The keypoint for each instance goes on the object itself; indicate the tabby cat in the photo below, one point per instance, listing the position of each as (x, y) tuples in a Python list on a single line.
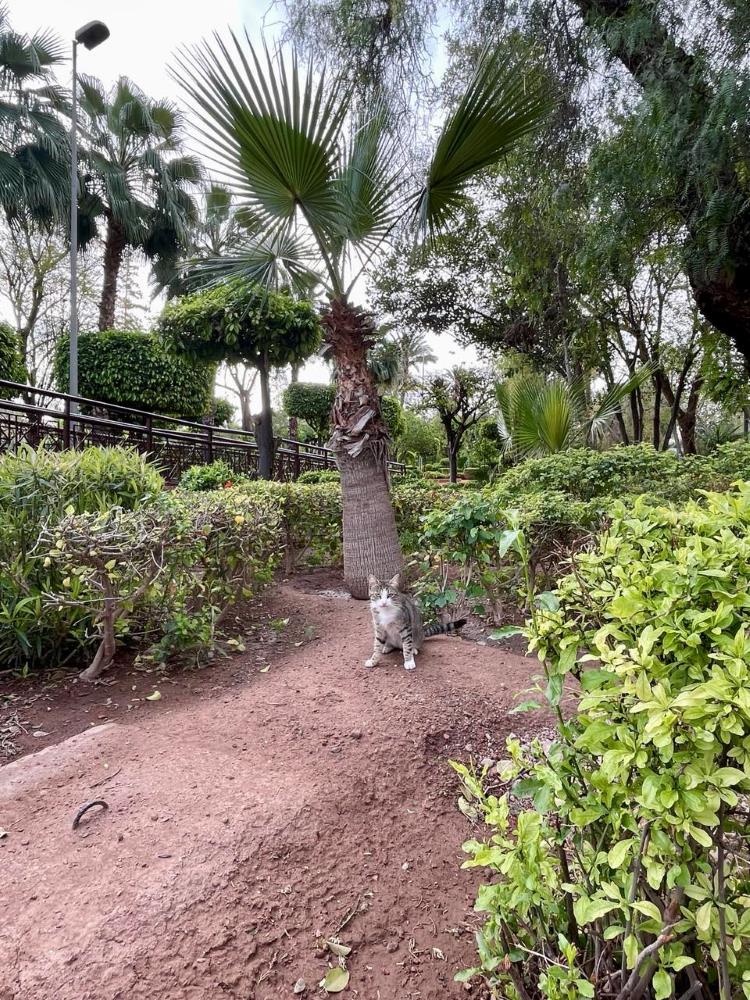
[(397, 622)]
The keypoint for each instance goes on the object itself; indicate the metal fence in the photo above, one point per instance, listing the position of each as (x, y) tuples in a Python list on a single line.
[(58, 420)]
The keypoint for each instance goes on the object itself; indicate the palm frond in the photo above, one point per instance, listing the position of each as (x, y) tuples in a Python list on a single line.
[(273, 262), (273, 129), (502, 104), (370, 182)]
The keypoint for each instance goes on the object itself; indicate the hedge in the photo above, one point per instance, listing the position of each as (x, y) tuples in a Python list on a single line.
[(135, 370)]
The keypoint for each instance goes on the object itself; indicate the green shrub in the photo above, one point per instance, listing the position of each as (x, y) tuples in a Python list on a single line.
[(585, 474), (11, 364), (223, 412), (214, 476), (464, 554), (42, 483), (624, 871), (319, 476), (312, 402), (135, 370), (310, 520)]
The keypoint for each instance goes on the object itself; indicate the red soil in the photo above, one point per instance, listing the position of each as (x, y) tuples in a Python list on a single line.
[(252, 814)]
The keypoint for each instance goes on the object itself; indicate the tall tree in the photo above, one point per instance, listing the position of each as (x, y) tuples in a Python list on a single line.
[(461, 397), (696, 107), (284, 139), (238, 322), (139, 183), (34, 156)]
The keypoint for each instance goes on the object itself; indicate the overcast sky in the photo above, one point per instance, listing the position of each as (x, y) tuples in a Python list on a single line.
[(144, 36)]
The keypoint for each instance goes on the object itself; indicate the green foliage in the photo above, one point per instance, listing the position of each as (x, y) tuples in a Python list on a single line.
[(627, 847), (215, 476), (135, 370), (319, 476), (393, 415), (236, 321), (11, 365), (584, 474), (312, 402), (38, 489), (466, 558), (421, 439), (223, 412)]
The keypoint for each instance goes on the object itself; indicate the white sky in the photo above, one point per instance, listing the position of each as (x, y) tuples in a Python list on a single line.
[(144, 34)]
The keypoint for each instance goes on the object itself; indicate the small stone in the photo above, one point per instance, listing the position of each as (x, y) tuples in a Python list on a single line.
[(356, 734), (300, 986), (391, 947)]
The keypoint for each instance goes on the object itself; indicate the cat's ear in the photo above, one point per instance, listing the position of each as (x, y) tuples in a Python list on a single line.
[(395, 581), (372, 580)]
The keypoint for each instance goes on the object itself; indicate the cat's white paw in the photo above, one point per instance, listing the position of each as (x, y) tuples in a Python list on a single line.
[(371, 662), (410, 664)]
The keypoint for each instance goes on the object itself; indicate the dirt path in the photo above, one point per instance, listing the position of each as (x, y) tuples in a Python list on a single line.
[(244, 825)]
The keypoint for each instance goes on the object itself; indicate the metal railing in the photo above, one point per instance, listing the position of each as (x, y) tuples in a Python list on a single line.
[(44, 416)]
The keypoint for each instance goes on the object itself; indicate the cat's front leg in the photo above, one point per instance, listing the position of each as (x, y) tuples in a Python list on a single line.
[(407, 644), (378, 647)]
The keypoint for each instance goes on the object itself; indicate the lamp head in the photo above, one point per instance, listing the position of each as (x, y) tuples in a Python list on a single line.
[(92, 34)]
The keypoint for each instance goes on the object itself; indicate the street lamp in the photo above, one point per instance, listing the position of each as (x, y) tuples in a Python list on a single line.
[(90, 35)]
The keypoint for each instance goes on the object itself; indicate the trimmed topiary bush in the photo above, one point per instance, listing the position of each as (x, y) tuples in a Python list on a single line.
[(135, 370), (11, 365)]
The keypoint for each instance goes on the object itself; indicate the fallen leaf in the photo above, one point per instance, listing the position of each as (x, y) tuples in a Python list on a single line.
[(156, 696), (336, 980), (338, 948), (300, 986), (437, 953)]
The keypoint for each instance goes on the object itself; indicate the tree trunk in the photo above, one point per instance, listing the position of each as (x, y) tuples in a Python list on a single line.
[(264, 432), (360, 440), (453, 463), (656, 59), (114, 247), (293, 422)]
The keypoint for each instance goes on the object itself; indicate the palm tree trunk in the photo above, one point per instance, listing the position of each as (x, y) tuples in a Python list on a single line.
[(360, 440), (264, 432), (114, 248)]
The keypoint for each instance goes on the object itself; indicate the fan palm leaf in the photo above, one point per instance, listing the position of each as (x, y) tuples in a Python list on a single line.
[(500, 107)]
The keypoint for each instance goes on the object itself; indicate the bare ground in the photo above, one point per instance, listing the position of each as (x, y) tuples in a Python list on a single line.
[(252, 813)]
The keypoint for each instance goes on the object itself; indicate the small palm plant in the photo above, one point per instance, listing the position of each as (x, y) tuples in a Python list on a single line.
[(539, 416), (328, 192)]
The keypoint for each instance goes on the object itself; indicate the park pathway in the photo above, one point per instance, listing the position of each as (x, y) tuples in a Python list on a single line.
[(245, 826)]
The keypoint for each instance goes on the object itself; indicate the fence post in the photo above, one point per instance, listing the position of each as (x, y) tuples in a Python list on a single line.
[(66, 424), (210, 443), (149, 434), (296, 460)]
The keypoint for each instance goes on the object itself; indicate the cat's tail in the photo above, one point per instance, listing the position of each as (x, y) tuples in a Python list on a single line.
[(447, 629)]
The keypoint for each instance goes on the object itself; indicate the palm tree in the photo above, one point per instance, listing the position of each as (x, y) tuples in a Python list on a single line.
[(34, 156), (540, 416), (329, 193), (139, 183)]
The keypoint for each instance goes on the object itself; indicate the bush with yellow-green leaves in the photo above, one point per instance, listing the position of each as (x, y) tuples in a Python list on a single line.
[(619, 856)]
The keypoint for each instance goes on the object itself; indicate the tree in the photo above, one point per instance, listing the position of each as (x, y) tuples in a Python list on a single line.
[(34, 158), (311, 402), (11, 366), (462, 397), (138, 181), (238, 322), (695, 107), (284, 139), (133, 369)]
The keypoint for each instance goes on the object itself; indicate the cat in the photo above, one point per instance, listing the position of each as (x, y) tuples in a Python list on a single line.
[(397, 622)]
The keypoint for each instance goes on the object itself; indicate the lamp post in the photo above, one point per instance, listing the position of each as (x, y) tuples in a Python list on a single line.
[(90, 35)]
